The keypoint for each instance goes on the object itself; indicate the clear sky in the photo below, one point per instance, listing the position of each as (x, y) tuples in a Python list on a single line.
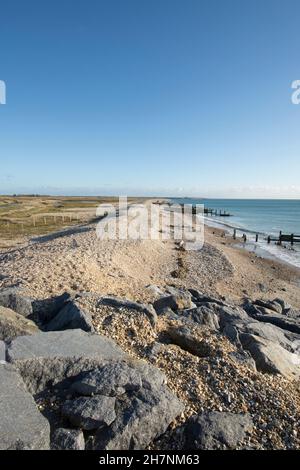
[(164, 97)]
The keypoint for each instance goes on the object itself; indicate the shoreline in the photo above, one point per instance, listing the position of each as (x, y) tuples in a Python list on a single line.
[(79, 261), (254, 275), (273, 252)]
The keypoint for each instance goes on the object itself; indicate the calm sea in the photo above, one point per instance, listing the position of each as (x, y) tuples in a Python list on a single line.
[(251, 216)]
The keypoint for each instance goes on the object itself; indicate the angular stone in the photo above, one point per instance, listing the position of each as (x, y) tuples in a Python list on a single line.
[(69, 343), (90, 413), (13, 298), (46, 309), (71, 317), (199, 298), (179, 301), (203, 316), (22, 426), (229, 314), (271, 305), (67, 439), (282, 321), (140, 419), (12, 324), (56, 356), (146, 309), (284, 305), (185, 338), (271, 357), (114, 378), (286, 339), (215, 430)]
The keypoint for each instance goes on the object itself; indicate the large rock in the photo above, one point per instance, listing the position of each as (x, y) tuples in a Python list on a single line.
[(21, 424), (271, 357), (271, 305), (282, 321), (55, 356), (177, 301), (118, 303), (141, 418), (90, 413), (52, 363), (289, 341), (186, 339), (45, 310), (60, 344), (111, 379), (199, 298), (71, 317), (216, 315), (13, 298), (12, 324), (67, 439), (229, 314), (203, 315), (215, 430)]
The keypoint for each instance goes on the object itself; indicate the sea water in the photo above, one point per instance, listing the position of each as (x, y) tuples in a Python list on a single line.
[(262, 216)]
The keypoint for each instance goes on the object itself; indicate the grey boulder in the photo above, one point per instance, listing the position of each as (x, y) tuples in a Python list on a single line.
[(46, 309), (90, 413), (13, 324), (215, 430), (22, 426), (179, 300), (112, 379), (72, 316), (67, 439), (118, 303), (62, 344), (185, 338), (271, 357), (140, 419), (13, 298), (289, 341), (55, 357), (203, 315)]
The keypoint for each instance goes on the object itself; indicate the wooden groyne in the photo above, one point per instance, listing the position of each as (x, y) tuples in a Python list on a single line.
[(289, 238), (282, 237)]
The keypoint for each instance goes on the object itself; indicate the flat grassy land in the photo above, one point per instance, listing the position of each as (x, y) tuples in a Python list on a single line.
[(23, 216)]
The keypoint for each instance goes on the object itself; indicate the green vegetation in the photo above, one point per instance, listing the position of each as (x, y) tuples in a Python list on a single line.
[(22, 216)]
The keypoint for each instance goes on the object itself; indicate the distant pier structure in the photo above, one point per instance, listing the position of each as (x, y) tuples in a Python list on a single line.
[(216, 212)]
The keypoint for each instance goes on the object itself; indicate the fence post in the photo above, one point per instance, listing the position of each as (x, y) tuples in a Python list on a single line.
[(292, 239), (256, 238), (234, 234)]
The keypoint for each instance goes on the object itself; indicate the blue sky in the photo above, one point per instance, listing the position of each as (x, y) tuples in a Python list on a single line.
[(170, 97)]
